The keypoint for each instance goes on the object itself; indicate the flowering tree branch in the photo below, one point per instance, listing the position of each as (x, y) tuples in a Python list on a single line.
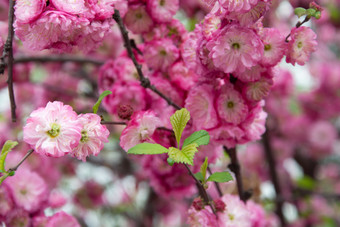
[(236, 168), (298, 24), (57, 58), (8, 52), (273, 175), (145, 82), (29, 152)]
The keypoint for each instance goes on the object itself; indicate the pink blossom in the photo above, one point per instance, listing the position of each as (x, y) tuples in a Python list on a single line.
[(200, 103), (237, 5), (181, 76), (254, 125), (247, 19), (56, 199), (160, 54), (6, 202), (236, 49), (201, 218), (53, 130), (27, 11), (139, 129), (93, 136), (102, 9), (70, 6), (18, 217), (188, 50), (231, 106), (28, 190), (62, 219), (301, 45), (137, 19), (251, 74), (90, 195), (210, 25), (322, 135), (256, 91), (162, 10), (130, 93), (227, 135), (258, 216), (274, 46)]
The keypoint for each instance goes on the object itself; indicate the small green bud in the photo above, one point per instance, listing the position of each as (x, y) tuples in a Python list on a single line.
[(317, 15), (299, 12), (311, 12), (170, 161), (11, 173)]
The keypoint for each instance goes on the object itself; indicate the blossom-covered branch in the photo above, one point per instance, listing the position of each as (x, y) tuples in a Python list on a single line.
[(145, 82)]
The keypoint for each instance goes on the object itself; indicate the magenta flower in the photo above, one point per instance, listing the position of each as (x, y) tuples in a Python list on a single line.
[(301, 45), (236, 49), (53, 130), (27, 11), (62, 219), (274, 46), (137, 19), (237, 5), (93, 136), (162, 10)]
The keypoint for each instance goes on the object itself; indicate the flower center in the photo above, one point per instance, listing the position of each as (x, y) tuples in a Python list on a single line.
[(267, 47), (162, 2), (235, 46), (299, 45), (162, 53), (230, 104), (54, 131), (84, 136), (139, 15), (23, 191)]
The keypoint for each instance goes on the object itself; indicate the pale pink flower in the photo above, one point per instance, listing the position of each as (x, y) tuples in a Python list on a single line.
[(301, 45), (201, 218), (188, 50), (247, 19), (162, 10), (181, 76), (258, 216), (62, 219), (200, 103), (139, 129), (236, 49), (28, 190), (274, 46), (93, 136), (231, 106), (27, 11), (102, 9), (70, 6), (237, 5), (18, 217), (210, 25), (236, 213), (254, 125), (53, 130), (160, 54), (56, 199), (137, 19), (6, 202)]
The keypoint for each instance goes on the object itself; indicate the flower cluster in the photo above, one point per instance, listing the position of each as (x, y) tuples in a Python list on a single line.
[(56, 130), (64, 25)]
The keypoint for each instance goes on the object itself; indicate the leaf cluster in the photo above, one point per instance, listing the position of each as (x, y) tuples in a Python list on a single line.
[(7, 147)]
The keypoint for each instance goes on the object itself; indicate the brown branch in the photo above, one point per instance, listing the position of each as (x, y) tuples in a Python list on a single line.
[(22, 160), (113, 123), (218, 188), (235, 167), (203, 193), (274, 176), (145, 82), (57, 58), (8, 52)]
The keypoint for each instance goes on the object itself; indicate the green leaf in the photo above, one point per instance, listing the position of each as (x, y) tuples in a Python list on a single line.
[(220, 177), (199, 176), (178, 121), (3, 178), (299, 11), (310, 12), (186, 155), (200, 138), (204, 167), (306, 182), (8, 146), (100, 99), (147, 148)]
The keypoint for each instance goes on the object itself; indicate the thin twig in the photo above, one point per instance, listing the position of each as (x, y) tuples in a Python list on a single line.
[(29, 152), (201, 189), (235, 167), (273, 175), (216, 184), (8, 52), (113, 123), (57, 58), (145, 82)]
